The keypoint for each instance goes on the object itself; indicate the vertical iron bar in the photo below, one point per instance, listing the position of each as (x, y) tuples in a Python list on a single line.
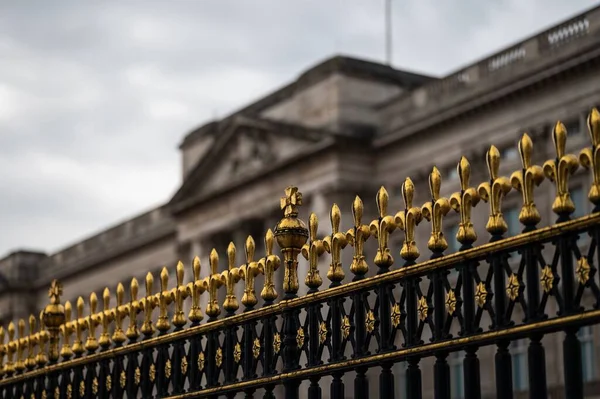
[(146, 383), (290, 351), (413, 372), (536, 357), (504, 383), (132, 365), (572, 365)]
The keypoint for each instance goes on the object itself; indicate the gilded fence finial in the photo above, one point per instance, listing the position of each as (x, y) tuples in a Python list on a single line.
[(179, 316), (407, 221), (311, 252), (11, 348), (558, 170), (2, 351), (434, 211), (54, 316), (132, 330), (590, 157), (493, 191), (230, 277), (248, 272), (525, 180), (105, 318), (78, 348), (196, 288), (334, 244), (213, 282), (463, 202), (32, 341), (163, 323), (21, 342), (381, 228), (149, 305), (291, 234), (67, 329), (118, 335), (357, 236), (41, 359), (270, 263), (91, 344)]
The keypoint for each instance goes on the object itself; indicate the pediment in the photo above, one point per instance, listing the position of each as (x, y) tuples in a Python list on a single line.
[(245, 149)]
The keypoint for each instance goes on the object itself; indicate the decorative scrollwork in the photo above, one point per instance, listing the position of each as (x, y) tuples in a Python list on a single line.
[(481, 294), (237, 353), (346, 327), (423, 308), (395, 315), (451, 302), (583, 270), (219, 357), (276, 343), (370, 321), (256, 348), (300, 337), (513, 287)]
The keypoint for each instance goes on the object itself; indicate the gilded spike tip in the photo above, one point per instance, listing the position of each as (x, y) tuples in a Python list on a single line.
[(213, 282), (434, 211), (118, 335), (357, 236), (269, 264), (334, 244), (559, 170), (230, 277), (91, 343), (179, 293), (132, 330), (248, 272), (407, 220), (381, 228), (463, 202), (149, 304), (105, 319), (493, 191), (197, 288), (311, 251), (525, 180), (590, 157), (163, 323)]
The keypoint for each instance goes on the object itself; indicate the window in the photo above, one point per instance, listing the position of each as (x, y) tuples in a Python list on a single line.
[(578, 197), (511, 216), (573, 126), (519, 365), (450, 234), (509, 153), (457, 384), (586, 337)]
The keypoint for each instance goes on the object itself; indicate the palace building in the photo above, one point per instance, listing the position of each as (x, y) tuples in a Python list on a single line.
[(342, 128)]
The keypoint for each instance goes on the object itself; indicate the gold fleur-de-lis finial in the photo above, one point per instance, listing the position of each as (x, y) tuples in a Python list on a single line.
[(270, 263), (463, 202), (407, 221), (248, 272), (196, 288), (493, 191), (213, 282), (558, 171), (105, 319), (21, 341), (91, 343), (381, 228), (334, 244), (590, 156), (230, 277), (134, 306), (2, 351), (79, 323), (149, 303), (32, 341), (291, 201), (357, 236), (525, 180), (66, 330), (178, 295), (11, 348), (434, 211), (311, 252), (119, 311), (164, 297), (41, 359)]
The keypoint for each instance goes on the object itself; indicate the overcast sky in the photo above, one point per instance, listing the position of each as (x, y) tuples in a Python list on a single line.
[(95, 96)]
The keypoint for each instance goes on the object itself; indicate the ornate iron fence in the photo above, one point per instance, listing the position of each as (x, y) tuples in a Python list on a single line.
[(400, 314)]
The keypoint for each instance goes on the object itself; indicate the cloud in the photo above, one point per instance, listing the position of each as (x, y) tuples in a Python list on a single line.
[(96, 96)]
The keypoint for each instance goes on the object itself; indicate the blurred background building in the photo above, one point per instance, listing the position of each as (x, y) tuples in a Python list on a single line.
[(343, 128)]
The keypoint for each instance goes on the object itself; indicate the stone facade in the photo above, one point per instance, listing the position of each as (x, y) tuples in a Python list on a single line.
[(343, 128)]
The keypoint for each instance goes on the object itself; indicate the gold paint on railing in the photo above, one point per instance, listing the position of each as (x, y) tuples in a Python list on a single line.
[(66, 330), (407, 221), (248, 272), (163, 325), (149, 304), (9, 367), (54, 317), (463, 202), (78, 348), (311, 252), (559, 169), (434, 212), (20, 363), (105, 318), (493, 191), (589, 158), (31, 344), (334, 244), (381, 228), (525, 180), (91, 344), (119, 336), (179, 294), (230, 277), (41, 359), (357, 236), (270, 264)]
